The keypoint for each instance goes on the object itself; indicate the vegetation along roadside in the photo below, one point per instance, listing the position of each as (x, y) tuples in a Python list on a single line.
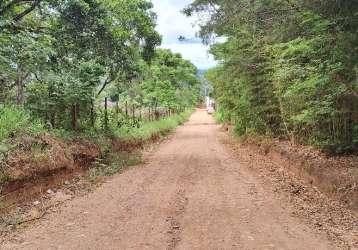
[(83, 83)]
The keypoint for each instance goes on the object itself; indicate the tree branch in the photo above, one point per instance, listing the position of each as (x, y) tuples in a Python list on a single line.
[(9, 5), (27, 11), (108, 80), (19, 16)]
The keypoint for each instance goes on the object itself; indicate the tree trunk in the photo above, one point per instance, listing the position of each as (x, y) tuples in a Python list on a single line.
[(78, 110), (106, 113), (51, 114), (2, 91), (92, 114), (53, 119), (156, 113), (288, 132), (20, 78), (74, 117), (133, 113), (126, 109), (117, 108)]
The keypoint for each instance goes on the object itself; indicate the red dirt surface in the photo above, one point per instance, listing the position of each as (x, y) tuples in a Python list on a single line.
[(193, 192)]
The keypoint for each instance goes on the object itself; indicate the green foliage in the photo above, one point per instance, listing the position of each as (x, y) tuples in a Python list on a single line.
[(14, 120), (289, 68), (170, 81), (115, 163), (160, 127), (59, 60)]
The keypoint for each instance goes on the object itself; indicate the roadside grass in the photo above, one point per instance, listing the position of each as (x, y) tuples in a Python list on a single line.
[(148, 129), (218, 117), (116, 162), (38, 153), (14, 120), (10, 220)]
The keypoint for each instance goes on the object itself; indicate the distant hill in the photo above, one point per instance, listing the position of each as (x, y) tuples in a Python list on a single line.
[(201, 72)]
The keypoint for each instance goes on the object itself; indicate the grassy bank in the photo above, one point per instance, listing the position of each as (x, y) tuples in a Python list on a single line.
[(35, 159), (117, 160), (16, 120), (148, 129), (28, 149)]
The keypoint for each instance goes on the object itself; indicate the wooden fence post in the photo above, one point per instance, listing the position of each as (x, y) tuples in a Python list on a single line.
[(74, 117), (105, 113), (133, 112), (126, 109), (92, 114)]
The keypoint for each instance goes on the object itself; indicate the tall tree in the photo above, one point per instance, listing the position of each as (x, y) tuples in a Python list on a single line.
[(287, 67)]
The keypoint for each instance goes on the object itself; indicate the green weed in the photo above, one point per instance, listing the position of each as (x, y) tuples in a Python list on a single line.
[(14, 120), (162, 126), (11, 220), (117, 162), (38, 152), (94, 173)]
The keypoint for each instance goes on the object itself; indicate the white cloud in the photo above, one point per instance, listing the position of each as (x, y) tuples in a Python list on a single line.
[(172, 24)]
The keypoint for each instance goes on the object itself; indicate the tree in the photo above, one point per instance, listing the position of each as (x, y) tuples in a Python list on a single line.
[(61, 59), (287, 67)]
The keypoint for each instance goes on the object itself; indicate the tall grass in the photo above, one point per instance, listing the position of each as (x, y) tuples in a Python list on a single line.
[(146, 131), (14, 120)]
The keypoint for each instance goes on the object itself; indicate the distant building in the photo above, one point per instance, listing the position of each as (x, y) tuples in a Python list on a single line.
[(209, 102)]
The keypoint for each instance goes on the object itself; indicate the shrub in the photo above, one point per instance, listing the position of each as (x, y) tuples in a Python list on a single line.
[(14, 120), (148, 129)]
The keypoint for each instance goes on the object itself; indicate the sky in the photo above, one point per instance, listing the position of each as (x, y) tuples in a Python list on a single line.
[(172, 24)]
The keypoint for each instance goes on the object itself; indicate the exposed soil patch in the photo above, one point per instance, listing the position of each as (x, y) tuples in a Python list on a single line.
[(39, 164), (174, 232), (17, 192), (46, 164), (309, 203), (335, 176), (46, 155), (134, 144)]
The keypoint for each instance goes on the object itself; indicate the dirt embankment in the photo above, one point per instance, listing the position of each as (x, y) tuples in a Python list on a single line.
[(43, 163), (38, 164), (46, 155), (335, 176)]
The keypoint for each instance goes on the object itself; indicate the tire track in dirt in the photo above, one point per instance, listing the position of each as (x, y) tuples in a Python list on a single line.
[(174, 232)]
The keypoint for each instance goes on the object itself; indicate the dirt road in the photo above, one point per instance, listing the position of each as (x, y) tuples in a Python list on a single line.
[(191, 193)]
